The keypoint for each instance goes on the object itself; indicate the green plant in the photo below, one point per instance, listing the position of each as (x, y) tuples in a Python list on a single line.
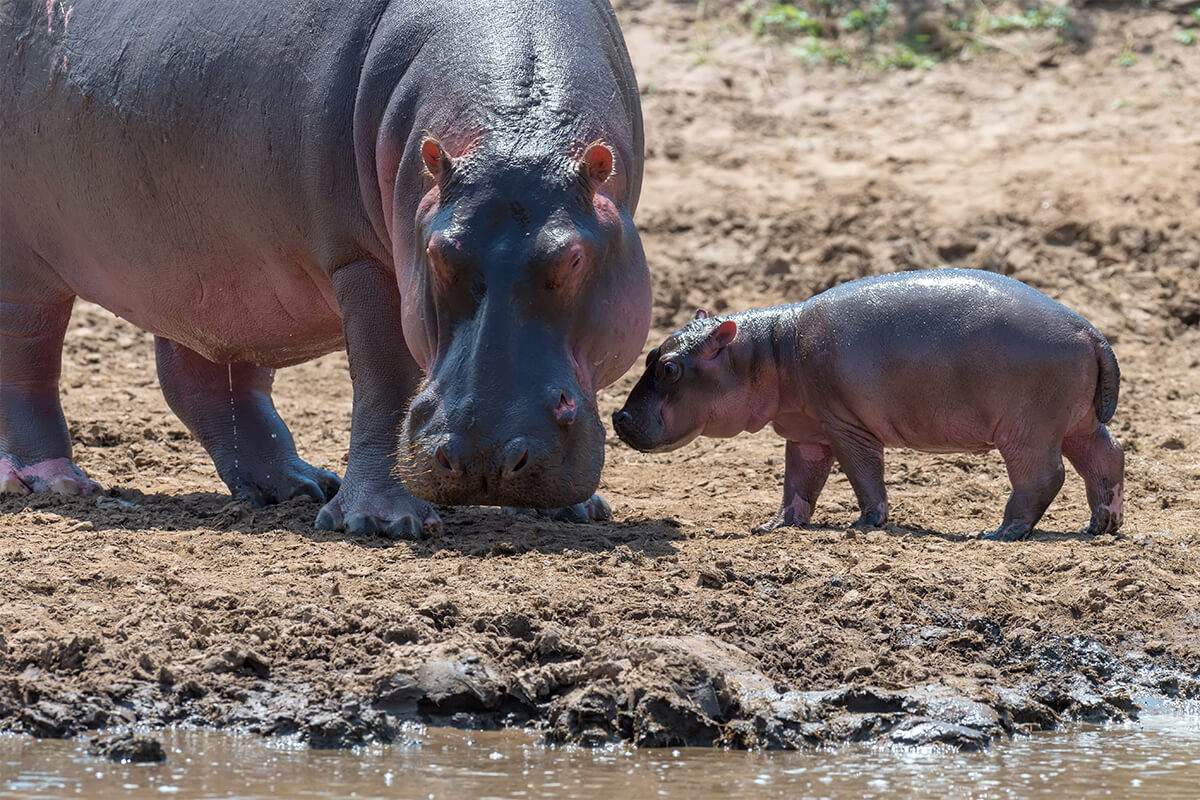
[(1185, 37), (785, 20), (870, 18), (905, 57), (1127, 58), (1055, 17), (813, 51)]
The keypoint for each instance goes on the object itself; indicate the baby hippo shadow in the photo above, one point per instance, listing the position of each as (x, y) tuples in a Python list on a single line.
[(1038, 535), (470, 531), (911, 531)]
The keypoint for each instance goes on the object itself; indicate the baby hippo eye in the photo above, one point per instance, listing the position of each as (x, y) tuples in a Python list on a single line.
[(670, 371)]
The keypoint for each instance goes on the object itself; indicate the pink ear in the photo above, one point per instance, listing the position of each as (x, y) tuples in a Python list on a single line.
[(720, 338), (436, 161), (596, 165), (701, 314)]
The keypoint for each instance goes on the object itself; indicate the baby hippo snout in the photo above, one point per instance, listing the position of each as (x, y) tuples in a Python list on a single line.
[(633, 431)]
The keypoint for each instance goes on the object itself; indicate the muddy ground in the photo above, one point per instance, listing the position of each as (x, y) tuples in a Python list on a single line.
[(766, 181)]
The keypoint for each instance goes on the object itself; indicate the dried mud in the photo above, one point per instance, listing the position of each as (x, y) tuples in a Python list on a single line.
[(766, 181)]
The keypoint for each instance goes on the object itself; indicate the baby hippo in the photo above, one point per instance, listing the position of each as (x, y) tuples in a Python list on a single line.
[(944, 361)]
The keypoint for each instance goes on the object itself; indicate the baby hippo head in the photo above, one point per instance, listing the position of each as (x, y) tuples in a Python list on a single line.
[(688, 384)]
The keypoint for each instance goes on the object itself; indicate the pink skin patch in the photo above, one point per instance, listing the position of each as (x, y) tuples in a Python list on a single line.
[(58, 475), (1114, 505), (565, 411)]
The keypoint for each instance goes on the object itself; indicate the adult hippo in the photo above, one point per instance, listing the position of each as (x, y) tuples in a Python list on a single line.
[(446, 186)]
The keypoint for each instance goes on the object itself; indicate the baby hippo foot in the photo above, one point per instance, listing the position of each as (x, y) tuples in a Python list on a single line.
[(57, 475), (795, 514), (262, 484), (594, 509), (1107, 517), (1009, 532), (388, 510), (871, 518)]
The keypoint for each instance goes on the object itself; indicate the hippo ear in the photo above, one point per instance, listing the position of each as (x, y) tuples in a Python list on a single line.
[(701, 314), (719, 339), (595, 165), (437, 162)]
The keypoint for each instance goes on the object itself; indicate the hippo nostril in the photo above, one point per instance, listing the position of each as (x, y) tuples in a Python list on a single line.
[(564, 412), (516, 457), (443, 460), (621, 419)]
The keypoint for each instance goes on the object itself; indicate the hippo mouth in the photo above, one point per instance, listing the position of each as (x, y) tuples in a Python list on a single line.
[(636, 436), (510, 465)]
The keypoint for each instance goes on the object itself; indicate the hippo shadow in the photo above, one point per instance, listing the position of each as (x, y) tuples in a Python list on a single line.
[(1038, 534), (484, 531), (470, 531)]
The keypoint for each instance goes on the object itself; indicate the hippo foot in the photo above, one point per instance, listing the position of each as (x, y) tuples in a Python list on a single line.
[(1008, 532), (795, 514), (392, 512), (57, 475), (1103, 521), (265, 485), (594, 509), (869, 519)]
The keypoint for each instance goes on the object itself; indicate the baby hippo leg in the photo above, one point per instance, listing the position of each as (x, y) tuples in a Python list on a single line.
[(1036, 476), (860, 456), (229, 409), (1101, 462), (806, 467)]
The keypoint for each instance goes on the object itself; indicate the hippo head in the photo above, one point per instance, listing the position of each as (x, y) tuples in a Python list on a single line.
[(685, 391), (529, 292)]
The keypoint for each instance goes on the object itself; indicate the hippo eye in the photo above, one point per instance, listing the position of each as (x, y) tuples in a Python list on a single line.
[(670, 371)]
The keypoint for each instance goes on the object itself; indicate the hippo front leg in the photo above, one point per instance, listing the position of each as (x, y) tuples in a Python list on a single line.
[(806, 468), (228, 408), (35, 446), (384, 376)]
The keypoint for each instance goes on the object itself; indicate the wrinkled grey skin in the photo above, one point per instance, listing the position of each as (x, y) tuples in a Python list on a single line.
[(445, 187), (943, 361)]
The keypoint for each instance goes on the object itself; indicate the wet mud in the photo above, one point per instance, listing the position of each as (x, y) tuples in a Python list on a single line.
[(164, 602)]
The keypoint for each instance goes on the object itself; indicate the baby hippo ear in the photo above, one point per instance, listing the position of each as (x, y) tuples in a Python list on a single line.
[(595, 165), (701, 314), (437, 161), (719, 339)]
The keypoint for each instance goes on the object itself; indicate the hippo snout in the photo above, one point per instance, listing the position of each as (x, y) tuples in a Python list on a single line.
[(527, 455), (632, 433)]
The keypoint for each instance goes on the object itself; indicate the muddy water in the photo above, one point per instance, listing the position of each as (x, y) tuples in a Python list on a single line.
[(1158, 758)]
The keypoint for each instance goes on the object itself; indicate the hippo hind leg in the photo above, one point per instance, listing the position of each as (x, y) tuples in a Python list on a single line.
[(1036, 477), (229, 409), (1099, 459), (860, 456)]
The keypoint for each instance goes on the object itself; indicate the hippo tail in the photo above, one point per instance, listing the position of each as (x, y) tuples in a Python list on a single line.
[(1108, 383)]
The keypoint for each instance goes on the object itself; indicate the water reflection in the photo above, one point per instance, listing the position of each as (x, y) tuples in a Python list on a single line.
[(1158, 758)]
